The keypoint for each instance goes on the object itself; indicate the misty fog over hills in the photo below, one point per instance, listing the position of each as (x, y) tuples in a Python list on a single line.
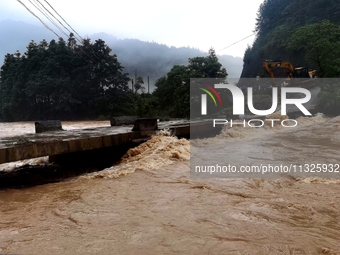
[(148, 58)]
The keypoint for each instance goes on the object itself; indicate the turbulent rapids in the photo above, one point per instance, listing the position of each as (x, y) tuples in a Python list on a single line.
[(160, 151), (149, 204)]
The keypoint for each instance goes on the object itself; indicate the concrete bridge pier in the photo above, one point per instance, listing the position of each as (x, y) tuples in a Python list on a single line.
[(96, 158)]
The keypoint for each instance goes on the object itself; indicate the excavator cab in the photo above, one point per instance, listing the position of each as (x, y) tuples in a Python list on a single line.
[(301, 72), (278, 68)]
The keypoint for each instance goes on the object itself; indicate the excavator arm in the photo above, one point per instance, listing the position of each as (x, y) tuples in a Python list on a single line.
[(269, 65), (286, 70)]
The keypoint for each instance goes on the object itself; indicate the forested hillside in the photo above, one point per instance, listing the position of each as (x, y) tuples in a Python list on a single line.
[(148, 58), (66, 80), (62, 79), (302, 32), (155, 60)]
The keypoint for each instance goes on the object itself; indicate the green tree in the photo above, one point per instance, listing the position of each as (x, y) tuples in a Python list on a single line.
[(48, 82), (107, 80), (206, 67), (139, 85), (173, 90), (270, 13), (62, 80), (166, 89), (321, 42), (12, 90)]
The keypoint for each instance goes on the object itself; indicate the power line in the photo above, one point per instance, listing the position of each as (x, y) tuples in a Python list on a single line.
[(80, 41), (60, 21), (38, 18), (47, 16), (89, 61), (63, 19), (237, 42), (56, 25), (50, 16)]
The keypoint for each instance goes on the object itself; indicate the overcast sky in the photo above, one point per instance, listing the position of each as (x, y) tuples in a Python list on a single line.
[(198, 24)]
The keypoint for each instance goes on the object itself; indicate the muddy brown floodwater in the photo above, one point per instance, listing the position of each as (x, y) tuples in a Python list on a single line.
[(148, 204)]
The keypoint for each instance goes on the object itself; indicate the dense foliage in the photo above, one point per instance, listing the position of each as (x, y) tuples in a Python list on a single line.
[(149, 60), (295, 30), (173, 90), (67, 80), (323, 50), (62, 80), (304, 33)]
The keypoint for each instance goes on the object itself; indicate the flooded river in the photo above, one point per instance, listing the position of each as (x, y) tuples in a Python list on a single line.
[(149, 204)]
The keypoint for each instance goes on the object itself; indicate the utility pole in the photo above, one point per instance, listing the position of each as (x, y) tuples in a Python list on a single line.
[(148, 86), (136, 75)]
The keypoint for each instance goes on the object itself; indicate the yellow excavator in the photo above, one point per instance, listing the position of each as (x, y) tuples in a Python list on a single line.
[(285, 69)]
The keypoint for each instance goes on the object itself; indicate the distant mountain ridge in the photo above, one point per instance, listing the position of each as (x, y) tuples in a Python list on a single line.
[(15, 35), (148, 58)]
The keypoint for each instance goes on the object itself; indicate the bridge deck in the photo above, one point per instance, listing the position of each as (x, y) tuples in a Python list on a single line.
[(34, 145)]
